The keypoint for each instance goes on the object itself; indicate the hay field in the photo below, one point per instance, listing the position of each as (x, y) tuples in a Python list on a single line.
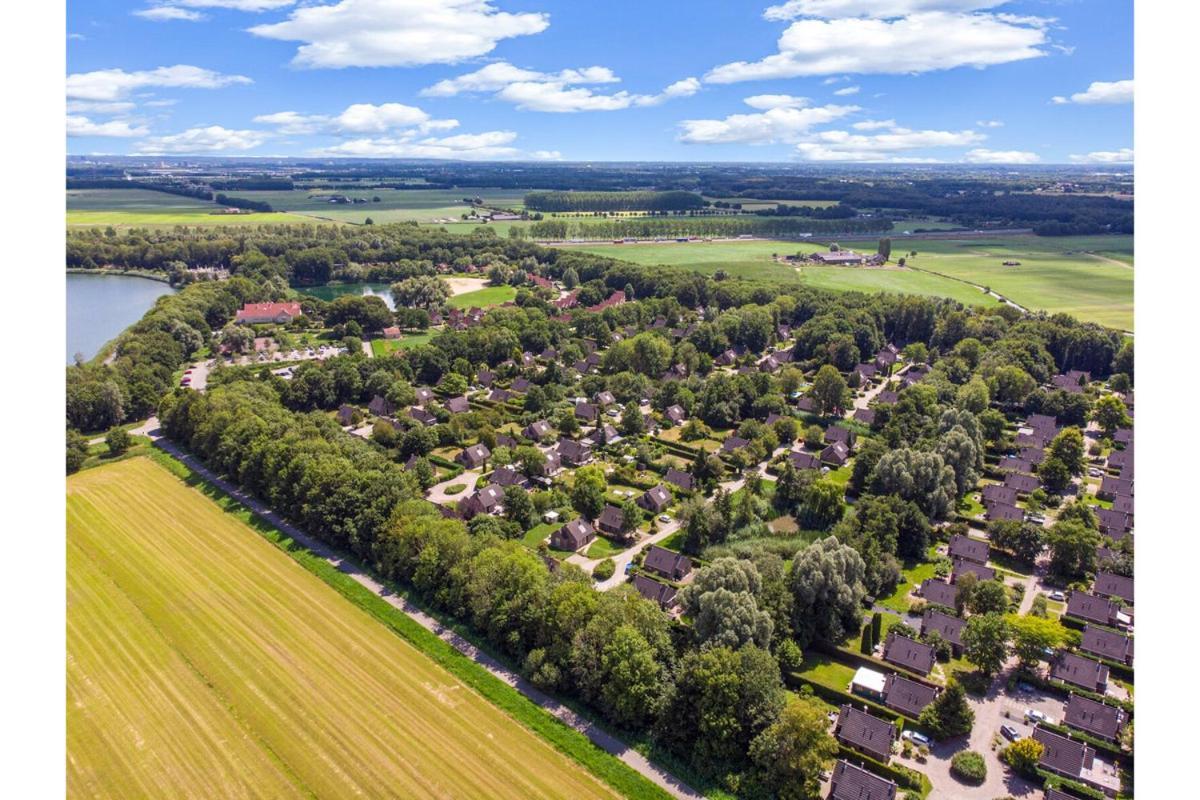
[(204, 662)]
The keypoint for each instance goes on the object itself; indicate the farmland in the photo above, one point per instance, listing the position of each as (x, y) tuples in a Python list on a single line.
[(142, 207), (231, 671), (395, 205)]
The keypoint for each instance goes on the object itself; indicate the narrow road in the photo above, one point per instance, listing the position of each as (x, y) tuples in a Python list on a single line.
[(600, 737), (624, 558)]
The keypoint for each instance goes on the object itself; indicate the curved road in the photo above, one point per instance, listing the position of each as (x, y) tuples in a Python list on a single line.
[(598, 735)]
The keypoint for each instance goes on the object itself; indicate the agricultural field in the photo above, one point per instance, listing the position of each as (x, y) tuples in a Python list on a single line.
[(142, 208), (395, 205), (203, 662)]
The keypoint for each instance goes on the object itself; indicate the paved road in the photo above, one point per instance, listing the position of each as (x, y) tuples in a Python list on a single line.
[(600, 737), (437, 493), (624, 558)]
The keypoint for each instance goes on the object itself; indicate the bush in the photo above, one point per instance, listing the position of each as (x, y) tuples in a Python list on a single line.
[(455, 488), (604, 570), (1023, 756), (118, 441), (969, 767)]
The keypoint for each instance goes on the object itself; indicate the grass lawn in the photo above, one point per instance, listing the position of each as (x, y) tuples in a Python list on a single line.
[(823, 669), (538, 534), (483, 298), (604, 548), (674, 541), (914, 576), (204, 662)]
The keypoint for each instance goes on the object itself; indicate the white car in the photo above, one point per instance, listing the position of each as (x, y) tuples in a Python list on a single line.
[(1058, 597), (664, 518), (1035, 716), (916, 738)]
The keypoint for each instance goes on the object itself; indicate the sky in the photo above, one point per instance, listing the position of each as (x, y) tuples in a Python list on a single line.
[(808, 81)]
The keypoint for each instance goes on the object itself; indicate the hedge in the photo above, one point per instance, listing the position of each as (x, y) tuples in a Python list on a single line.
[(1054, 781), (846, 654), (839, 698), (905, 777), (1058, 687), (1109, 748)]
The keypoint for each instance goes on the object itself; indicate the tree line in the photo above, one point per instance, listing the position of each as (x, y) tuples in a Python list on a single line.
[(613, 201)]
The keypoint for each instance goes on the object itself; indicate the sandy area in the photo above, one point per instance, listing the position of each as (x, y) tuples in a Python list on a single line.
[(463, 285)]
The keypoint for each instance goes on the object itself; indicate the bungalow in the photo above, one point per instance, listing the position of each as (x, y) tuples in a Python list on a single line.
[(422, 416), (835, 455), (1108, 584), (536, 431), (803, 460), (392, 332), (885, 358), (655, 592), (1123, 504), (980, 571), (474, 456), (257, 313), (553, 464), (948, 627), (528, 360), (1079, 671), (733, 443), (1072, 381), (1014, 464), (907, 697), (667, 563), (1123, 436), (1034, 455), (866, 372), (841, 258), (864, 415), (573, 453), (605, 399), (915, 374), (1043, 422), (908, 653), (867, 734), (836, 433), (614, 299), (586, 412), (574, 535), (807, 405), (507, 476), (655, 500), (1120, 459), (675, 414), (381, 407), (485, 501), (967, 548), (457, 405), (485, 378), (1089, 607), (1111, 487), (680, 479), (1107, 644), (1024, 484), (850, 782), (500, 396), (729, 357), (1062, 755), (1004, 511), (939, 592), (424, 396), (1098, 719), (1114, 524), (999, 493), (611, 521)]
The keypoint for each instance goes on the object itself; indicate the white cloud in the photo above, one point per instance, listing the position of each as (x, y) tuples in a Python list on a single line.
[(398, 33), (778, 124), (237, 5), (79, 37), (881, 9), (91, 107), (359, 118), (82, 126), (114, 84), (469, 146), (556, 92), (211, 139), (874, 125), (982, 155), (768, 101), (847, 90), (546, 155), (1122, 156), (922, 42), (169, 14), (894, 145), (1108, 92), (989, 123)]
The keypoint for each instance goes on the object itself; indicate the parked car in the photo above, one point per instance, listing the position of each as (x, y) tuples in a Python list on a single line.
[(664, 517), (1095, 473), (1033, 715), (1009, 732), (1058, 597), (917, 738)]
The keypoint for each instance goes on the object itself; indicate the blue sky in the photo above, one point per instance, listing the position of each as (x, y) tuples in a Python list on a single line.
[(1040, 81)]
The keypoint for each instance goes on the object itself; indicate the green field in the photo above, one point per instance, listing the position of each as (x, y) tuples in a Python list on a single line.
[(203, 662), (483, 298), (395, 205), (142, 207)]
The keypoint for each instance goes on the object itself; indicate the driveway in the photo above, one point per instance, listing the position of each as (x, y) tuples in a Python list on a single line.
[(865, 400), (623, 559), (437, 492)]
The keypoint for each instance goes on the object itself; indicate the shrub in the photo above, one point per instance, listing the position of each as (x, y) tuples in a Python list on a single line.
[(604, 570), (118, 441), (969, 767), (455, 488), (1023, 756)]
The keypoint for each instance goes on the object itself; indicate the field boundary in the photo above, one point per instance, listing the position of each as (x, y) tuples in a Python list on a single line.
[(575, 743)]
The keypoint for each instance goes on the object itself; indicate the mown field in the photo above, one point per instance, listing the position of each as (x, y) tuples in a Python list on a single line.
[(141, 207), (203, 662), (483, 298), (395, 205)]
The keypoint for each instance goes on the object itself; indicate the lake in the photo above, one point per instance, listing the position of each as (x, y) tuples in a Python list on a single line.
[(101, 306), (332, 292)]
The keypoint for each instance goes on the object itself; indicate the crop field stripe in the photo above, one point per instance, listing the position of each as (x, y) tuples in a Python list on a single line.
[(349, 707)]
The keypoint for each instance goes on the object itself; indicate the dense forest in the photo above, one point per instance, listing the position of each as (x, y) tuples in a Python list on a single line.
[(613, 201)]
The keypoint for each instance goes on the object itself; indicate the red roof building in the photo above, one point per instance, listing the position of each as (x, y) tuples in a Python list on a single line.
[(252, 313)]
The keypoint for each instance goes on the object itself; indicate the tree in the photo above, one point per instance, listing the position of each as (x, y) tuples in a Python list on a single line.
[(570, 278), (632, 422), (1011, 385), (587, 495), (829, 390), (820, 505), (989, 597), (1033, 637), (518, 507), (827, 590), (985, 641), (77, 450), (1110, 414), (949, 714), (1067, 447), (422, 291), (1024, 540), (789, 489), (961, 453), (923, 478), (885, 248), (722, 603), (1072, 549), (973, 396), (1023, 756), (631, 516), (118, 441), (794, 750), (632, 677)]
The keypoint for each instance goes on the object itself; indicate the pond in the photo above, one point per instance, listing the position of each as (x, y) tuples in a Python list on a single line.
[(101, 306), (334, 291)]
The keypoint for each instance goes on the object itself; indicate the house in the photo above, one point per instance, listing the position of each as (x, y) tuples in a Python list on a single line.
[(424, 396), (1014, 464), (500, 396), (1062, 755), (1111, 487), (474, 456), (980, 571), (574, 535), (907, 697), (885, 358), (836, 454), (1107, 644), (654, 591), (807, 405), (1123, 504), (839, 258), (869, 683), (573, 453), (887, 398), (422, 416), (507, 476), (948, 627), (520, 385), (257, 313), (867, 734), (1120, 459), (908, 653), (1123, 436), (1072, 381), (864, 415), (939, 592), (1005, 512), (803, 460), (536, 431), (1109, 584), (999, 493), (675, 414), (1114, 524), (381, 407), (1079, 671), (484, 501), (485, 378), (836, 433), (655, 500), (1098, 719), (614, 299), (553, 464), (850, 782), (680, 479), (865, 372), (968, 548), (611, 521), (1098, 610), (733, 443), (1042, 422), (392, 332), (586, 412), (605, 399), (1034, 455), (457, 405), (1023, 484), (667, 563), (345, 415)]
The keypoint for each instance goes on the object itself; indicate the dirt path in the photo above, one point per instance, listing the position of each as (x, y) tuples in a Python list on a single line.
[(599, 736), (463, 285), (1107, 260)]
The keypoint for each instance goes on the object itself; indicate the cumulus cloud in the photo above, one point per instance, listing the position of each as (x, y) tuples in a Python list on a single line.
[(357, 119), (874, 125), (882, 9), (78, 125), (896, 144), (1107, 92), (1122, 156), (984, 156), (211, 139), (398, 33), (781, 123), (920, 42), (555, 92), (92, 107), (237, 5), (768, 101), (467, 146), (169, 14), (115, 84)]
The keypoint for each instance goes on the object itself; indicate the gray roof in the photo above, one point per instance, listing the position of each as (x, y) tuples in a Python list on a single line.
[(971, 549), (908, 653), (1109, 584), (1095, 718), (1092, 608), (939, 592), (852, 782), (948, 627), (865, 732), (666, 562), (1079, 671), (907, 696), (1063, 755), (1106, 644)]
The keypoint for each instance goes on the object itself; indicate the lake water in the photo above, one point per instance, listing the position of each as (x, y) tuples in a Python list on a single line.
[(381, 290), (101, 306)]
